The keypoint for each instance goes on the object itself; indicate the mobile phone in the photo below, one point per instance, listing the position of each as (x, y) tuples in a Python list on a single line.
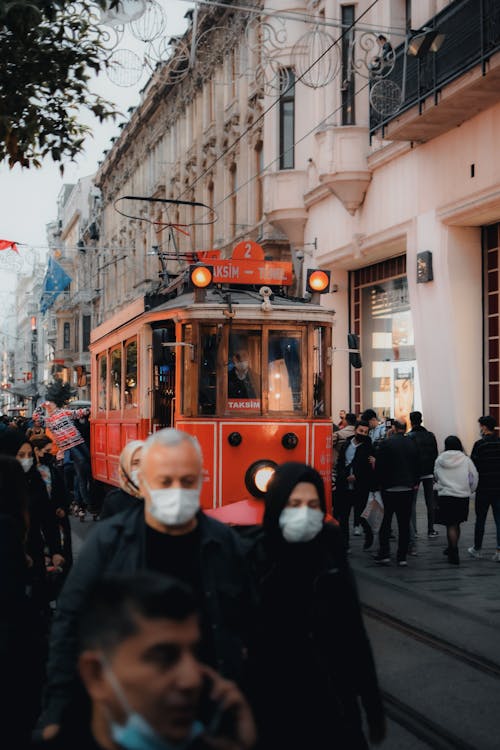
[(216, 720)]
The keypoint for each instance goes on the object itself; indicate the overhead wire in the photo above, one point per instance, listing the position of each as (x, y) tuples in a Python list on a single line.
[(266, 111)]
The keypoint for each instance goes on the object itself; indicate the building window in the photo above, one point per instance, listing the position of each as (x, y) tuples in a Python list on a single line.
[(259, 194), (85, 333), (287, 119), (66, 336), (211, 226), (233, 199), (348, 113), (491, 250), (408, 15)]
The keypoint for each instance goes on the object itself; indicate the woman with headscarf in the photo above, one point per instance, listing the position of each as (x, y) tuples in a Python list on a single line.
[(312, 658), (456, 479), (127, 495), (43, 531)]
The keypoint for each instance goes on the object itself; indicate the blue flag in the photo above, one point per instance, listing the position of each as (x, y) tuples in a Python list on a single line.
[(56, 281)]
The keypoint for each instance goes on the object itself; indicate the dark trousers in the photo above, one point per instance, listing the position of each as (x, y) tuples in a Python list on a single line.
[(482, 506), (428, 485), (399, 503), (345, 500), (81, 461)]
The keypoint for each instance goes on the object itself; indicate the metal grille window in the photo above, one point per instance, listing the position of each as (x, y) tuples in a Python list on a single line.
[(287, 119), (348, 93), (66, 336)]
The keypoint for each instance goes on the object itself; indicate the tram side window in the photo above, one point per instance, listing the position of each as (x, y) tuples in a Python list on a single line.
[(115, 380), (319, 364), (130, 394), (103, 379), (207, 394), (244, 377), (285, 375)]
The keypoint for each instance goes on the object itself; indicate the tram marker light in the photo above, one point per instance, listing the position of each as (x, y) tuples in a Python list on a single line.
[(201, 276), (318, 281)]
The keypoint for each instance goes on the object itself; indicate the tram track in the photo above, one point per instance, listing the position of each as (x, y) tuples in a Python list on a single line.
[(418, 718), (419, 725), (433, 641)]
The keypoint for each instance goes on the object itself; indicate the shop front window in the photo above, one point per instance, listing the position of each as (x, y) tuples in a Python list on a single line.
[(103, 378), (115, 380), (244, 376), (130, 393), (390, 375), (285, 381)]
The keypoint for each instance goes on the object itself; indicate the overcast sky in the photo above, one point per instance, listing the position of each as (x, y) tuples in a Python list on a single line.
[(29, 197)]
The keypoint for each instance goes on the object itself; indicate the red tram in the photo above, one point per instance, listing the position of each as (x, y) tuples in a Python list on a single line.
[(240, 365)]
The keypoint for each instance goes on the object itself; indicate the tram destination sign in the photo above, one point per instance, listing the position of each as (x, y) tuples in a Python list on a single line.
[(252, 272), (248, 266)]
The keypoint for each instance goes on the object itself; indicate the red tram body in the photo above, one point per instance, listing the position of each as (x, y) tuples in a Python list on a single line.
[(247, 372)]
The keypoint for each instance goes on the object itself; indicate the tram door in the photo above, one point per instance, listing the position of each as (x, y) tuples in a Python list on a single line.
[(163, 377)]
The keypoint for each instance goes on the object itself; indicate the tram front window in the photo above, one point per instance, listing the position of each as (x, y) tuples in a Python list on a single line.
[(207, 394), (285, 376), (243, 380)]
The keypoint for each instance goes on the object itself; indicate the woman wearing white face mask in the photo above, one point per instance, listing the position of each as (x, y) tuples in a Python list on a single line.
[(128, 494), (42, 529), (312, 658)]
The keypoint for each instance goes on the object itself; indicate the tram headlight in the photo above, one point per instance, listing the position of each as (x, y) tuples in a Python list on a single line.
[(258, 476), (318, 281)]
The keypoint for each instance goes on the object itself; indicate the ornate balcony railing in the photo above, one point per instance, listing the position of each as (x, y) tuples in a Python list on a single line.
[(472, 37)]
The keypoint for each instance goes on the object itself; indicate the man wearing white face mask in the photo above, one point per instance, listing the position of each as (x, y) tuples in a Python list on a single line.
[(170, 534)]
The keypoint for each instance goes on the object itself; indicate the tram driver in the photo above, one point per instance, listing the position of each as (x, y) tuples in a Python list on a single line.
[(241, 381)]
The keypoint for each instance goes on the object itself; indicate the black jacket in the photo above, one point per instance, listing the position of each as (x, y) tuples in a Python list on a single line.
[(360, 467), (116, 501), (398, 464), (486, 457), (43, 522), (117, 545), (312, 659), (427, 449)]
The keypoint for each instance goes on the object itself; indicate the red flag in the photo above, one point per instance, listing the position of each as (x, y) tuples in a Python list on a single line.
[(5, 244)]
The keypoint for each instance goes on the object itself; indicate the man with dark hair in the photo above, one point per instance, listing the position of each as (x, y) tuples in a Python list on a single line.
[(427, 454), (169, 534), (486, 456), (353, 478), (377, 429), (138, 640), (340, 436), (398, 472)]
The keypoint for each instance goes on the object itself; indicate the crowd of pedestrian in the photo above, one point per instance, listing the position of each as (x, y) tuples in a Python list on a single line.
[(170, 630), (380, 462)]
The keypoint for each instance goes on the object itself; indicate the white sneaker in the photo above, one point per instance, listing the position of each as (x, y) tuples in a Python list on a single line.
[(496, 556), (357, 531), (473, 552)]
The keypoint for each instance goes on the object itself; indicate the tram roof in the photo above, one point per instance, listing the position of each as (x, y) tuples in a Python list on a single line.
[(218, 298), (215, 305)]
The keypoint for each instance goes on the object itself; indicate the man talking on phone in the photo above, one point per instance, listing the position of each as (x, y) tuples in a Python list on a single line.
[(143, 686)]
